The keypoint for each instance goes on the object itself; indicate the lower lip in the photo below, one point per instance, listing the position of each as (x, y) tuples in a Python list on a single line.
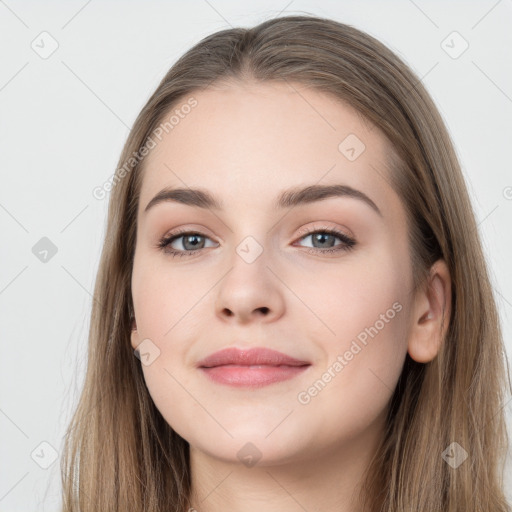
[(258, 376)]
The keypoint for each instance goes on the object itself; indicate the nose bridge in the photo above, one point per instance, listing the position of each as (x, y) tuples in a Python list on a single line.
[(249, 262), (250, 249), (251, 234), (249, 289)]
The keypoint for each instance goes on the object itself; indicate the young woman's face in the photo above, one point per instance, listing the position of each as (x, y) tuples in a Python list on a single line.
[(321, 277)]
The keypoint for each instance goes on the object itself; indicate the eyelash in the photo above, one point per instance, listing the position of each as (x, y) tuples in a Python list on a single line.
[(347, 245)]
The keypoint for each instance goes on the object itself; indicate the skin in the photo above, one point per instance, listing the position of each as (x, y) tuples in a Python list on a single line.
[(245, 143)]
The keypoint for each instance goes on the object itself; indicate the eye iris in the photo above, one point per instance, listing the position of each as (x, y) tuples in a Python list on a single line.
[(187, 238), (320, 237)]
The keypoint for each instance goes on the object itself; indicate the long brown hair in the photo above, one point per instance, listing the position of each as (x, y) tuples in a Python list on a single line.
[(120, 454)]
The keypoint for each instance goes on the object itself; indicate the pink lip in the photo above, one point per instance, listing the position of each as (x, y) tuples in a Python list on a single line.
[(232, 366)]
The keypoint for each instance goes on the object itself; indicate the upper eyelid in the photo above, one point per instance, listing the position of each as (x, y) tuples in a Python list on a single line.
[(315, 228)]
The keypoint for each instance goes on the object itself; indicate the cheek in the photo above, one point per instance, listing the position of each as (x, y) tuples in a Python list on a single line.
[(161, 299), (363, 313), (165, 312), (167, 305), (359, 296)]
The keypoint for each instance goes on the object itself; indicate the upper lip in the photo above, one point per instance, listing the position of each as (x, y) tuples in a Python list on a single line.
[(249, 357)]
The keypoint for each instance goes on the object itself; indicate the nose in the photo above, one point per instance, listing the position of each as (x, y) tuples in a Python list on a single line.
[(250, 292)]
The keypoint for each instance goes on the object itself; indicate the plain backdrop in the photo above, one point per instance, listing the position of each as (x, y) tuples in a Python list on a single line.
[(73, 77)]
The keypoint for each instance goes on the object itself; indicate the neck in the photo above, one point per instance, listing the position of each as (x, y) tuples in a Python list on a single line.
[(321, 479)]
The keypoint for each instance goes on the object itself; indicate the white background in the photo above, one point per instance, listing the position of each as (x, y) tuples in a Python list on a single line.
[(65, 118)]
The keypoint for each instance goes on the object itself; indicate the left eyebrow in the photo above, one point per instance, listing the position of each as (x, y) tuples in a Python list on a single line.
[(288, 199)]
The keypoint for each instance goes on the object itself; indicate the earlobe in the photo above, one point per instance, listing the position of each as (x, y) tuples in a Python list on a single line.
[(432, 312)]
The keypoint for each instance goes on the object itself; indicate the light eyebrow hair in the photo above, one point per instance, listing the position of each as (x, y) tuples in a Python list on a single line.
[(288, 199)]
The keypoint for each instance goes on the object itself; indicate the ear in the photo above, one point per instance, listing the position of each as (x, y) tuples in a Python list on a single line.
[(134, 335), (431, 314)]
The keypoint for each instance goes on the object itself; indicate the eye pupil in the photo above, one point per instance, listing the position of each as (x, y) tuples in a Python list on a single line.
[(320, 237), (188, 238)]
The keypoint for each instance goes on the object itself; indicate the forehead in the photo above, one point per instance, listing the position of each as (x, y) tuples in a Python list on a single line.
[(245, 142)]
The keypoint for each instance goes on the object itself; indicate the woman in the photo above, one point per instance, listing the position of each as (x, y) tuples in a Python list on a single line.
[(363, 370)]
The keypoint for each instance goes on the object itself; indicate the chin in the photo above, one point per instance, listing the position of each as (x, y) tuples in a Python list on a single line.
[(250, 447)]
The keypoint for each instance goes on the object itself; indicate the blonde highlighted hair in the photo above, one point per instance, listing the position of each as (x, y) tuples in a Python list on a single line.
[(120, 454)]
